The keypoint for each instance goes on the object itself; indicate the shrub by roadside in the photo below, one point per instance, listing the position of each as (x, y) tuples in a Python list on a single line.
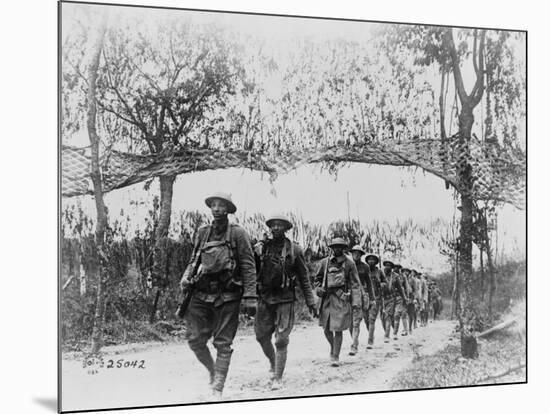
[(502, 358)]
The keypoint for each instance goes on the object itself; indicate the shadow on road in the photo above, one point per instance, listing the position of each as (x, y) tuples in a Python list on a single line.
[(49, 403)]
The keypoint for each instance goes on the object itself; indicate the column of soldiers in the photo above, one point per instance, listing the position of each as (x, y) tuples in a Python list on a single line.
[(226, 275)]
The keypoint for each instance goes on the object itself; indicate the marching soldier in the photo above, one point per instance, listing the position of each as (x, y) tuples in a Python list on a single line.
[(360, 310), (417, 296), (401, 301), (424, 294), (394, 295), (221, 273), (338, 286), (434, 299), (376, 302), (410, 315), (279, 263)]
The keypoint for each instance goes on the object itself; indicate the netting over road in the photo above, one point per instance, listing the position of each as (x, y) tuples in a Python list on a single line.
[(498, 174)]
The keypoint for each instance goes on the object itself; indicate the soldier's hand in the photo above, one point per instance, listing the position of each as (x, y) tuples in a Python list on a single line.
[(313, 311), (184, 283), (249, 306), (320, 292), (259, 248), (347, 297), (372, 303)]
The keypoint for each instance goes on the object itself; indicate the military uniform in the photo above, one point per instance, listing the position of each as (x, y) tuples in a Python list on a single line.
[(226, 274), (435, 302), (424, 304), (376, 307), (342, 287), (360, 311), (401, 302), (411, 302), (394, 295), (338, 286), (279, 266)]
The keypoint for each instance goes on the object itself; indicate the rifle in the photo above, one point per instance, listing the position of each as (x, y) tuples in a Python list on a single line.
[(323, 286), (191, 274), (187, 294)]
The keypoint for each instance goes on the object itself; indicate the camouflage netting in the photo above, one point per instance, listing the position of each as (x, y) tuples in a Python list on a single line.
[(499, 174)]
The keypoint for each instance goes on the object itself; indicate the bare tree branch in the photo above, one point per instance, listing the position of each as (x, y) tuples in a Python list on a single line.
[(133, 118), (477, 92), (116, 113), (459, 82), (474, 53), (153, 84)]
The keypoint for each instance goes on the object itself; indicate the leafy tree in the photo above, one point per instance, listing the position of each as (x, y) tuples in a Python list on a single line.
[(166, 83), (98, 189), (489, 57)]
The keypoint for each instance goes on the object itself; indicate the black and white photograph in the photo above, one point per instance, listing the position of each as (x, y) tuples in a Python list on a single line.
[(262, 207)]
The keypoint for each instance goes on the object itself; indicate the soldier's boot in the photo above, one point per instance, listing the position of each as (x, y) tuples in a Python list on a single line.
[(354, 340), (269, 352), (280, 363), (335, 360), (405, 328), (205, 358), (330, 339), (220, 372), (396, 327), (371, 335), (387, 331)]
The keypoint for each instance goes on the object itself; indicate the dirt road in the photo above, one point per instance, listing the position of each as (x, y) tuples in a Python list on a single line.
[(170, 374)]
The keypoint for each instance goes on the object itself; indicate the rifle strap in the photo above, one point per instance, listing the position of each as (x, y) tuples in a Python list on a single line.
[(286, 277), (198, 251), (326, 272), (230, 246)]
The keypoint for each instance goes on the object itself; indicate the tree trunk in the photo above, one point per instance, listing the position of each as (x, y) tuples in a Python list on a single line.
[(467, 309), (101, 222), (456, 297), (166, 191), (442, 107), (465, 184), (159, 253), (482, 275), (492, 278), (83, 280)]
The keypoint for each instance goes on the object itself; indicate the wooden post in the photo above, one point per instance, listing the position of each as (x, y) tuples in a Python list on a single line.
[(456, 297), (482, 272)]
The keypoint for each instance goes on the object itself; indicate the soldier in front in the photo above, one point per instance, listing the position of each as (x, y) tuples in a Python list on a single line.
[(337, 284), (221, 273), (360, 311), (280, 267)]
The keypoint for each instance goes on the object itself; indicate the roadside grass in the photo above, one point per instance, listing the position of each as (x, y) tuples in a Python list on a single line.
[(502, 358)]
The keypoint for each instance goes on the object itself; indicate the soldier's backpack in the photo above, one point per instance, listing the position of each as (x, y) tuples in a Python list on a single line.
[(273, 272)]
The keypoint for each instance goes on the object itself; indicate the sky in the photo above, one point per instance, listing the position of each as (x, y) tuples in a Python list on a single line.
[(376, 193)]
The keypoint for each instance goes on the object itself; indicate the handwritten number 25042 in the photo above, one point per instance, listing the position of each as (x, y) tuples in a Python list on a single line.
[(121, 363)]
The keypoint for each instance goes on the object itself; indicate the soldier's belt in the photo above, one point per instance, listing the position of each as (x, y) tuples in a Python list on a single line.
[(335, 289), (217, 286)]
